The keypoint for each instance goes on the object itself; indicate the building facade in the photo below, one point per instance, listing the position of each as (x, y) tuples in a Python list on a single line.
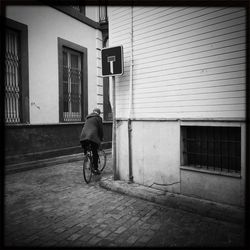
[(52, 78), (181, 102)]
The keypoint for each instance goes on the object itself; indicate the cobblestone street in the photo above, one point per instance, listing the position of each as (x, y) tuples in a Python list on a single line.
[(53, 206)]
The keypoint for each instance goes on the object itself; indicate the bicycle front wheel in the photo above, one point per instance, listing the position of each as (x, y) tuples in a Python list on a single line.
[(102, 160), (87, 169)]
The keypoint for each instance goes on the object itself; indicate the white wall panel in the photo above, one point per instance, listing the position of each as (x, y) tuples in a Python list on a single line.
[(182, 56), (45, 25)]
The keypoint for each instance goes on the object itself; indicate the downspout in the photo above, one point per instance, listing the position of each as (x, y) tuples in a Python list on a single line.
[(130, 103)]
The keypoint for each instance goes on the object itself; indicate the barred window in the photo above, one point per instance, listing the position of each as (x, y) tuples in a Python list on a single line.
[(12, 79), (16, 82), (212, 148), (72, 81), (72, 85)]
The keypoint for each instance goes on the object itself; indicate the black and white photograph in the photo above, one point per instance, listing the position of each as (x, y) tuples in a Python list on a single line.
[(125, 124)]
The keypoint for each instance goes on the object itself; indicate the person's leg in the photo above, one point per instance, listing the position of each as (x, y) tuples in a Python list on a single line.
[(95, 154), (85, 146)]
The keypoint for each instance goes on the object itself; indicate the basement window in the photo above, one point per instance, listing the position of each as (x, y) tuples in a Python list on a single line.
[(212, 148)]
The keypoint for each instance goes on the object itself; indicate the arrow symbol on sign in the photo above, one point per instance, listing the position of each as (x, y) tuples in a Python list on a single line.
[(111, 60)]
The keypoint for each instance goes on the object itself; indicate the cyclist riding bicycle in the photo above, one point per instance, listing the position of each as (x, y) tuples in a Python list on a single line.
[(92, 133)]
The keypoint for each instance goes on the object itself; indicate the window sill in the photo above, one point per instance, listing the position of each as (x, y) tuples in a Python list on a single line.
[(213, 172)]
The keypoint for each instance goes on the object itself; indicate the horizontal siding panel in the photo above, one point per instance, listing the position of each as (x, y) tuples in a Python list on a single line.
[(189, 62), (190, 94), (196, 25), (205, 39), (115, 10), (169, 53), (180, 92), (156, 16), (152, 114), (173, 73), (182, 80), (122, 32), (172, 16), (177, 98), (151, 87), (191, 35), (186, 62), (197, 108), (191, 86), (140, 13), (191, 103), (204, 55), (189, 21), (179, 68), (121, 25)]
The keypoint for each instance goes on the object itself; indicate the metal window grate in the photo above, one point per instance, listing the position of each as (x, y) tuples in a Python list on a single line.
[(213, 148), (72, 87), (12, 78)]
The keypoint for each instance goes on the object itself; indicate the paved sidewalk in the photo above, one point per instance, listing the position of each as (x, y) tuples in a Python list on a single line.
[(53, 206), (198, 206)]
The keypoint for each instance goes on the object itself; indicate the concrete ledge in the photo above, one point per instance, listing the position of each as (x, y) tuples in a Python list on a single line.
[(203, 207)]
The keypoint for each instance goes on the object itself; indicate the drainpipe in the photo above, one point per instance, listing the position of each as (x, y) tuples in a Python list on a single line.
[(130, 103)]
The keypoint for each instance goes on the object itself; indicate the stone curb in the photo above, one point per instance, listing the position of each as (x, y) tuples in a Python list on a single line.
[(24, 166), (206, 208)]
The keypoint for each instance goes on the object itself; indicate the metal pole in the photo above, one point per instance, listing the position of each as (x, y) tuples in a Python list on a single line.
[(114, 131), (130, 103)]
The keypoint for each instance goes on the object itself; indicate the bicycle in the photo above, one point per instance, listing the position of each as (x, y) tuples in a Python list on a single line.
[(88, 166)]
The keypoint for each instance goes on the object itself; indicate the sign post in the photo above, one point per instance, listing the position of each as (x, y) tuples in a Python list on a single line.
[(116, 177), (112, 65)]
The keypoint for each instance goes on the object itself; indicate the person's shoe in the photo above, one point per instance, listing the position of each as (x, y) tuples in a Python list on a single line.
[(96, 171)]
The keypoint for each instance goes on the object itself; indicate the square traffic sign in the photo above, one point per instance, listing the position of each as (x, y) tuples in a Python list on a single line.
[(112, 61)]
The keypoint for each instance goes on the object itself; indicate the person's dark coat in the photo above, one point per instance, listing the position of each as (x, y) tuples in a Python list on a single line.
[(92, 129)]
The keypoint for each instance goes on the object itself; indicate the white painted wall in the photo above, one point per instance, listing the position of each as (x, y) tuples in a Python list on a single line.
[(189, 62), (45, 24), (156, 162), (153, 162), (216, 188)]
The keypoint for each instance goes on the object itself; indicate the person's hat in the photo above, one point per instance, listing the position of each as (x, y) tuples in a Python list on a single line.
[(97, 110)]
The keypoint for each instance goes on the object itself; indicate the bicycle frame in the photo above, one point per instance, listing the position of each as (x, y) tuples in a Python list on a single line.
[(88, 171)]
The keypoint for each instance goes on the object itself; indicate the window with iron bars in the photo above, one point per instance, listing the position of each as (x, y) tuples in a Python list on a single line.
[(16, 80), (73, 81), (72, 90), (12, 77), (212, 148)]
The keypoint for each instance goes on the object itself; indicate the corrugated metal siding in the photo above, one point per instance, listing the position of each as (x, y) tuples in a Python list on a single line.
[(189, 62)]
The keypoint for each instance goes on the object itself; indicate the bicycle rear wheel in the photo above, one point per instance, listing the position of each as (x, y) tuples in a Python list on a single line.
[(101, 160), (87, 169)]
